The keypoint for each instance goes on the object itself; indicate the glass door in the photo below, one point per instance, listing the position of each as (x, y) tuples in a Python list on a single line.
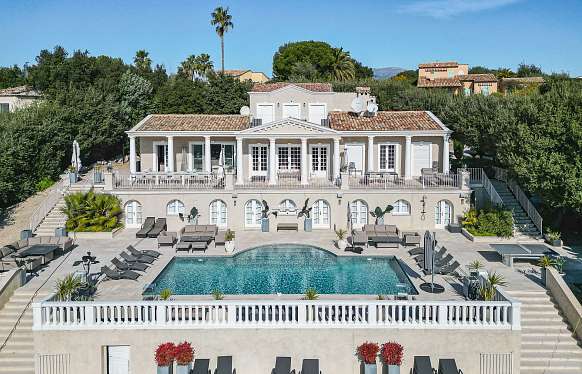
[(319, 161), (259, 160)]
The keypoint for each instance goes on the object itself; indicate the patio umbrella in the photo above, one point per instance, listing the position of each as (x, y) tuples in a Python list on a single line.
[(221, 163), (76, 156), (184, 164), (429, 266)]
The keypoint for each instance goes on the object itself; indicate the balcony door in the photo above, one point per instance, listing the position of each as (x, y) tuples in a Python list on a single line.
[(160, 157), (259, 160), (319, 161)]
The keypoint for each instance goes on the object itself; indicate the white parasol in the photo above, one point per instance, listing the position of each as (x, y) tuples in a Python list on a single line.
[(76, 156)]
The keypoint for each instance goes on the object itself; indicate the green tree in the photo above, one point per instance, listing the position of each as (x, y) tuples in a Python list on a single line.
[(342, 67), (11, 77), (223, 22), (196, 65), (142, 62), (525, 70)]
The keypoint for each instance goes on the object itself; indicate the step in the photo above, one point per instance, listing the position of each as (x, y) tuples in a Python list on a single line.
[(553, 371), (556, 363), (534, 355)]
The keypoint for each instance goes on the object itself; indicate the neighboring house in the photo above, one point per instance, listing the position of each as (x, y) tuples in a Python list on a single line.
[(455, 77), (509, 84), (300, 141), (244, 75), (17, 97)]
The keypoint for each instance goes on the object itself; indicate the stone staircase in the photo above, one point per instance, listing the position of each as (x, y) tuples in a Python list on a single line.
[(547, 343), (524, 228), (17, 356), (55, 218)]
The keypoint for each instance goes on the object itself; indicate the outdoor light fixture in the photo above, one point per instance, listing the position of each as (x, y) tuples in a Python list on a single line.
[(234, 196), (339, 198), (423, 211)]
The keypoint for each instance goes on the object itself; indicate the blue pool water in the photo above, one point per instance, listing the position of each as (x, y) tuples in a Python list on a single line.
[(286, 269)]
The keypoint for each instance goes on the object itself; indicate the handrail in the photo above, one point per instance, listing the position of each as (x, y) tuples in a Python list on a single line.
[(521, 197), (55, 193), (491, 191)]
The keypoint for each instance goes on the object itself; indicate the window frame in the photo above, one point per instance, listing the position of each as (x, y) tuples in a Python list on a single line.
[(176, 208), (397, 161), (399, 212), (256, 222)]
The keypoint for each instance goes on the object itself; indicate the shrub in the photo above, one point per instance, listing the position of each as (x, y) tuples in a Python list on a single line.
[(165, 354), (311, 294), (183, 353), (489, 222), (165, 294), (91, 212), (367, 352), (217, 294), (44, 183), (392, 353)]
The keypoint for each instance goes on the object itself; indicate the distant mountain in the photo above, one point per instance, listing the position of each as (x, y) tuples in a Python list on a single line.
[(386, 73)]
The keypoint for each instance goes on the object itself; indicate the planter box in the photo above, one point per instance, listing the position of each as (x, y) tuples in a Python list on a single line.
[(369, 369), (183, 369), (554, 243), (484, 239), (265, 225), (308, 224), (94, 235), (164, 369)]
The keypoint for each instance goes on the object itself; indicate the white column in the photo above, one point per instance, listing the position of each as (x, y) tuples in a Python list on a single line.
[(370, 151), (272, 165), (336, 159), (239, 161), (207, 164), (170, 154), (132, 158), (446, 154), (408, 157), (304, 167)]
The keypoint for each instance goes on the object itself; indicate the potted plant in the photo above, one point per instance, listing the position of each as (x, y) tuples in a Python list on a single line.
[(193, 216), (367, 353), (379, 213), (311, 294), (391, 354), (559, 263), (184, 355), (165, 357), (342, 243), (553, 238), (306, 212), (488, 289), (545, 262), (73, 176), (474, 268), (229, 241)]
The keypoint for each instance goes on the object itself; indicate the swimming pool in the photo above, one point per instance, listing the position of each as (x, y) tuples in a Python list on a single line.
[(285, 269)]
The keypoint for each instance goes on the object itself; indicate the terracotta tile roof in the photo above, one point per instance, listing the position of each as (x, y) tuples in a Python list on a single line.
[(195, 122), (315, 87), (523, 80), (439, 82), (19, 91), (235, 73), (478, 77), (383, 121), (439, 64)]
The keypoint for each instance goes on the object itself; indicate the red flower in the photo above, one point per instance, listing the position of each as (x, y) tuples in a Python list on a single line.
[(367, 352), (165, 354), (183, 353), (392, 353)]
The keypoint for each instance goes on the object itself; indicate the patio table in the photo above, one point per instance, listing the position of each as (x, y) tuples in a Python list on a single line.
[(47, 251)]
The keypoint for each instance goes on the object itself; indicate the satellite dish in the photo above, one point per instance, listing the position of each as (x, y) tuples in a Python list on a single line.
[(372, 108), (245, 111), (358, 104)]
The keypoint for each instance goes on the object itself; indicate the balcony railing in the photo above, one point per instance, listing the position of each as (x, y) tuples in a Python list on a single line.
[(401, 314), (168, 181), (388, 182)]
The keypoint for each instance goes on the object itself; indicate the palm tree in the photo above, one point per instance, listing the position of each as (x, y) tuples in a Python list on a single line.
[(342, 67), (223, 22), (196, 66)]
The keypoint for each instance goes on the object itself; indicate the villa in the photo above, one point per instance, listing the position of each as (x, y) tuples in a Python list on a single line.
[(244, 75), (456, 78), (14, 98)]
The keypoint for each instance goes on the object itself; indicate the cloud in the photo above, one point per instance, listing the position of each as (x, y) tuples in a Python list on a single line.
[(448, 8)]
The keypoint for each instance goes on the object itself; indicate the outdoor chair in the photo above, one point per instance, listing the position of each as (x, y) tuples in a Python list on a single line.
[(147, 252), (220, 238), (128, 265), (201, 366), (130, 258), (224, 365), (310, 366), (448, 366), (282, 366), (159, 226), (422, 365), (147, 226), (115, 275), (359, 238)]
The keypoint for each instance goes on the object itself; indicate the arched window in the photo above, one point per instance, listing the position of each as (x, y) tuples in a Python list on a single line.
[(401, 208), (253, 210), (320, 214), (287, 205), (443, 213), (218, 213), (174, 207), (133, 215), (359, 213)]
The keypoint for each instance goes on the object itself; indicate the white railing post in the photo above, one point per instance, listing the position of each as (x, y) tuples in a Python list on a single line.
[(89, 313), (37, 321), (161, 316)]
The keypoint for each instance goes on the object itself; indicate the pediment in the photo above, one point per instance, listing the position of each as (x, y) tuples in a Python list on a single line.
[(289, 126)]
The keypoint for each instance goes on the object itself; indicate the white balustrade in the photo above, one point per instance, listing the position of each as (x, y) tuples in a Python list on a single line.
[(168, 181), (388, 182), (500, 314)]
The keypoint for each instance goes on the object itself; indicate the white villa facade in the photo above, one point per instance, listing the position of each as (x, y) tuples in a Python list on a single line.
[(298, 142)]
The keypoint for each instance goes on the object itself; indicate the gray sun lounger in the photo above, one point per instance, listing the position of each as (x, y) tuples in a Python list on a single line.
[(450, 268), (131, 258), (159, 226), (224, 365), (422, 365), (147, 226), (448, 366), (282, 366), (115, 275), (201, 366), (146, 252), (416, 251), (509, 252), (122, 266), (438, 261), (310, 366)]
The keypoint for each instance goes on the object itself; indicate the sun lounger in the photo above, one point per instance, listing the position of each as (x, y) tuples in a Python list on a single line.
[(310, 366), (437, 259), (115, 275), (159, 226), (147, 226), (201, 366), (450, 268), (282, 366), (147, 252), (422, 365), (128, 265), (224, 365), (130, 258), (416, 251), (448, 366)]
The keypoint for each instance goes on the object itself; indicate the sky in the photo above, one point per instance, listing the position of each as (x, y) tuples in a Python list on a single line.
[(389, 33)]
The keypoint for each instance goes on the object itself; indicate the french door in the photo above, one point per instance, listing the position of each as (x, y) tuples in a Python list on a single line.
[(319, 161), (259, 160), (320, 214), (443, 213), (161, 157)]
